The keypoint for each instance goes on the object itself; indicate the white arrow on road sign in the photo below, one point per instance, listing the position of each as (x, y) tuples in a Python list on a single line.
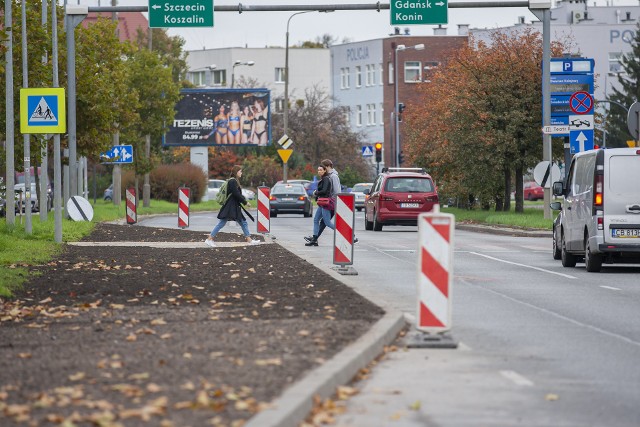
[(581, 139)]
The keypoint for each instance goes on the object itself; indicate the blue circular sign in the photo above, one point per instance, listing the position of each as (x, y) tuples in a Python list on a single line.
[(581, 103)]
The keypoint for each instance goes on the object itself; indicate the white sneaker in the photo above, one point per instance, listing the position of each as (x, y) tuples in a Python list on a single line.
[(210, 243), (254, 242)]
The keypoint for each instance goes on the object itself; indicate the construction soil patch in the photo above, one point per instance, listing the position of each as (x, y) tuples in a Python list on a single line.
[(129, 336)]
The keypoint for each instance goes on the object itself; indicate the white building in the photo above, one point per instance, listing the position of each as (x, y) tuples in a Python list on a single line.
[(308, 68)]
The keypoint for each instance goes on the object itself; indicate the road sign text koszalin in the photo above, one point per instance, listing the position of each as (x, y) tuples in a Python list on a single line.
[(415, 12), (180, 13)]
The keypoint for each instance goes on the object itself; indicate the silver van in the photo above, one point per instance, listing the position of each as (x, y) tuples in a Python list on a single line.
[(600, 218)]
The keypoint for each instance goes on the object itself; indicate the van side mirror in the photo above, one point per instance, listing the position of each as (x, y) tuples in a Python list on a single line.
[(558, 188), (556, 206)]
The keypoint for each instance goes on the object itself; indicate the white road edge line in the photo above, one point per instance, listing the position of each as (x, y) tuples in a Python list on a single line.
[(610, 287), (524, 265), (517, 378)]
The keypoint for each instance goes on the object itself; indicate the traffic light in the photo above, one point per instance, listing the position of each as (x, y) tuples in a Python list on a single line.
[(378, 147), (400, 158), (400, 107)]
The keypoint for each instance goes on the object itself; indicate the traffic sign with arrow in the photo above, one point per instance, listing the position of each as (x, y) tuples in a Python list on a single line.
[(419, 12)]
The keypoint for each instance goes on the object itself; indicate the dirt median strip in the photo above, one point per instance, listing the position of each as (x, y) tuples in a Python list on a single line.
[(193, 337)]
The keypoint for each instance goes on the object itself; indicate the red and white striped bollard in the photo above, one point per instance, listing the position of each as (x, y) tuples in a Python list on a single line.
[(264, 210), (132, 215), (183, 207), (343, 236)]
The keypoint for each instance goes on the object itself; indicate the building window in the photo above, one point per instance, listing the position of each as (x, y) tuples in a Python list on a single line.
[(430, 68), (371, 75), (218, 77), (390, 72), (197, 78), (615, 64), (279, 105), (344, 78), (358, 76), (359, 115), (381, 71), (347, 116), (279, 75), (371, 114), (381, 114), (412, 72)]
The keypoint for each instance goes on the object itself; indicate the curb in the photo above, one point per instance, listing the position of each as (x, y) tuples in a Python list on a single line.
[(295, 404), (505, 231)]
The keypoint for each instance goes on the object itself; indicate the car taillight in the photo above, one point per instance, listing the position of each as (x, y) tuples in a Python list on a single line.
[(301, 198), (600, 223), (272, 197), (431, 198), (598, 186)]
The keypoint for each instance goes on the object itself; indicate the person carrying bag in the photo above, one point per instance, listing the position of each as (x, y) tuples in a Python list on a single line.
[(323, 197)]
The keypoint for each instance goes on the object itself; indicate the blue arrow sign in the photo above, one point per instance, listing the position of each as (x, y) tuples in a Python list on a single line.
[(367, 151), (580, 140), (118, 154)]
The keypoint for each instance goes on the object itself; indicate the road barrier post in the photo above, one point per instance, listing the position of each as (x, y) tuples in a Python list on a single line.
[(435, 279), (264, 210), (132, 204), (343, 235), (183, 207)]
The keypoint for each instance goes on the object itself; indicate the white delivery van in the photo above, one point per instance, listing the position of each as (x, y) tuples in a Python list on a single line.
[(600, 218)]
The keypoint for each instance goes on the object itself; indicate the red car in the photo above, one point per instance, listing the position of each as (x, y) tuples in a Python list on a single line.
[(398, 196), (532, 191)]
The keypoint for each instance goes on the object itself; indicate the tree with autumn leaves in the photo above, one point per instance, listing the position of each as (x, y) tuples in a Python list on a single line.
[(477, 128)]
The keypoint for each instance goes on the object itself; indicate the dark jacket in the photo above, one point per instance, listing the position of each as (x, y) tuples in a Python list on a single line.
[(231, 211), (324, 187)]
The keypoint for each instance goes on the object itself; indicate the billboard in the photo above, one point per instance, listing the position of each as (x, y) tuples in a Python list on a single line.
[(221, 117)]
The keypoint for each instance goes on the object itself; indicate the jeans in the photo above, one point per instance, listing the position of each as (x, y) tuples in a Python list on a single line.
[(243, 224), (325, 215)]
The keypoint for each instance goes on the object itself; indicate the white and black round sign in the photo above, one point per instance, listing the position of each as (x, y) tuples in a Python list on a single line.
[(544, 176), (79, 209)]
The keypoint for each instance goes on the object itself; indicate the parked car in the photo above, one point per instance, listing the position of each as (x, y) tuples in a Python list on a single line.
[(532, 191), (398, 196), (21, 196), (108, 193), (290, 198), (600, 218), (214, 186), (360, 197)]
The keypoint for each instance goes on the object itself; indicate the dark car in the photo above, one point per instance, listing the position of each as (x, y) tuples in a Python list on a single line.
[(532, 191), (398, 196), (290, 198)]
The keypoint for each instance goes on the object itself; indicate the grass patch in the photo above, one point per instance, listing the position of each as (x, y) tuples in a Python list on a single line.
[(530, 218)]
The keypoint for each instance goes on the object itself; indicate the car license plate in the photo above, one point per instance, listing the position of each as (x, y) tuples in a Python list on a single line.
[(625, 233), (287, 199), (409, 205)]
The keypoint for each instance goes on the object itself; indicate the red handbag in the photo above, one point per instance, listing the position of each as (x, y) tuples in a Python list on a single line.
[(326, 203)]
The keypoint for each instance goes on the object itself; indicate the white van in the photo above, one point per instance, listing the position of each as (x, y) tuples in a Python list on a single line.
[(600, 218)]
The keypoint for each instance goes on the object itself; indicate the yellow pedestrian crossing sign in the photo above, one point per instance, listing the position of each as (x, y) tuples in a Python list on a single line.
[(43, 110)]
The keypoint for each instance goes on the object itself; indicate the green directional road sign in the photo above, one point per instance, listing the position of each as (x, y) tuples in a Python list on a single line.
[(180, 13), (417, 12)]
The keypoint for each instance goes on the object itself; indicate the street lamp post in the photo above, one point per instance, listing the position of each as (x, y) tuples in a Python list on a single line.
[(396, 104), (233, 69)]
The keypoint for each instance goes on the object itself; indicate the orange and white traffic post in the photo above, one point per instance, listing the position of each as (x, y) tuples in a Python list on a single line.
[(183, 207), (264, 210), (435, 279)]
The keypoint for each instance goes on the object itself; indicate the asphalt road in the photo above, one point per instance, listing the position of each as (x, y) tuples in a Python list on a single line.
[(540, 344)]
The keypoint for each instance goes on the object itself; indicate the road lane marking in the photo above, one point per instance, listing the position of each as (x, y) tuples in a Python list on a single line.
[(559, 316), (610, 287), (517, 378), (524, 265)]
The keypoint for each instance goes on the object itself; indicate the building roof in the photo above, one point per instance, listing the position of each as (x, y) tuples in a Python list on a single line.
[(128, 23)]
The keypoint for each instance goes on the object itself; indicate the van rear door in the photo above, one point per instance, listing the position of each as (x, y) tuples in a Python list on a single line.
[(622, 196)]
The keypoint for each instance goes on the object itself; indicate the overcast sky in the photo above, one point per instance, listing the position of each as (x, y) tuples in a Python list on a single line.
[(260, 29)]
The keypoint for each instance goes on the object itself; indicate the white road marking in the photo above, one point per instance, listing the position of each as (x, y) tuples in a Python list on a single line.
[(517, 378), (610, 287), (559, 316), (524, 265)]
